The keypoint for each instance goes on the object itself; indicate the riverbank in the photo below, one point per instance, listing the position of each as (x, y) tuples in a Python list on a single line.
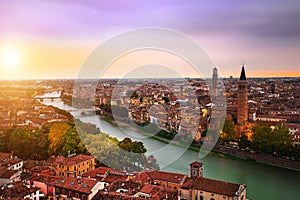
[(223, 151), (218, 150)]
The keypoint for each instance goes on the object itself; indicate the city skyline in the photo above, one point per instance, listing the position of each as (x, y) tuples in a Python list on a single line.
[(51, 39)]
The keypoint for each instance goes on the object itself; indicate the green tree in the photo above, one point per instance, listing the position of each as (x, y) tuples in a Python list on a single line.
[(243, 142), (228, 132), (276, 141), (72, 143)]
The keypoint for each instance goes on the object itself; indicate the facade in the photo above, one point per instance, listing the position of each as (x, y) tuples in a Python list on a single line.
[(13, 163), (9, 176), (200, 188), (72, 166)]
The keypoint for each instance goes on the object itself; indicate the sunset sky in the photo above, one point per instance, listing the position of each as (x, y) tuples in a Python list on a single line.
[(52, 38)]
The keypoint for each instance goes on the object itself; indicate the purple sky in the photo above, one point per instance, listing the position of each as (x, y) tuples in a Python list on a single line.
[(265, 34)]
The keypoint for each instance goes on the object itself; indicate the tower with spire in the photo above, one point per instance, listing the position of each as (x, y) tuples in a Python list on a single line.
[(242, 104)]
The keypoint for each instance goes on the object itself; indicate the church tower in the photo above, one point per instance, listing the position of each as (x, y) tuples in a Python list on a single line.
[(196, 169), (215, 82), (242, 104)]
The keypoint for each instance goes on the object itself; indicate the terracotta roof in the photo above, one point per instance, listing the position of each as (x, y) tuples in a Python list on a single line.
[(4, 156), (297, 133), (141, 177), (196, 163), (211, 185), (81, 185), (72, 160), (131, 186), (18, 190), (99, 171), (113, 196), (11, 162), (158, 192), (43, 178), (6, 173), (166, 176), (114, 177)]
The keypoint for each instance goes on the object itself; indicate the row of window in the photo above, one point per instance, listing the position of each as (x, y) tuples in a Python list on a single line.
[(70, 193)]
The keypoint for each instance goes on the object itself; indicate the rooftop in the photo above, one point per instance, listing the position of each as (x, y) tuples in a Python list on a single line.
[(75, 184), (213, 186)]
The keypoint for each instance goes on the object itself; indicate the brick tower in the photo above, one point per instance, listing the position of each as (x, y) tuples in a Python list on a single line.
[(196, 169), (242, 104)]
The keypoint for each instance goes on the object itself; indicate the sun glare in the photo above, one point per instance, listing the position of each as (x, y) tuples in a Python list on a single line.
[(10, 58)]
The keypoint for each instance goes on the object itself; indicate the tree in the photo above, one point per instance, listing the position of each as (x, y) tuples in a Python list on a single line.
[(276, 141), (228, 132), (35, 143), (55, 137), (125, 154), (243, 142), (72, 143)]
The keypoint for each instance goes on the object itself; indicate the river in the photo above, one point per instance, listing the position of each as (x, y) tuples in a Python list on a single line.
[(262, 181)]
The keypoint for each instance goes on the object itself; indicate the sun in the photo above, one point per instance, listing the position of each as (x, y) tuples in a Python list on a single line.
[(10, 57)]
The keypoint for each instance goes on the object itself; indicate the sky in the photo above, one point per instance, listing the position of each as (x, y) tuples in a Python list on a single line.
[(52, 38)]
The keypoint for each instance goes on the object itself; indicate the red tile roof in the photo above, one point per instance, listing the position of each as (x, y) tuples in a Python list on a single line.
[(211, 185), (99, 171), (114, 177), (166, 176), (6, 173), (18, 191), (297, 133), (4, 156), (11, 162), (158, 192), (72, 160), (80, 185)]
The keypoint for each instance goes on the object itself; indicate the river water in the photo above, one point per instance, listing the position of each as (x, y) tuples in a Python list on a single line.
[(263, 182)]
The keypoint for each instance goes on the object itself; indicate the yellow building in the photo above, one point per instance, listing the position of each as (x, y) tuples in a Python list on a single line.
[(73, 166)]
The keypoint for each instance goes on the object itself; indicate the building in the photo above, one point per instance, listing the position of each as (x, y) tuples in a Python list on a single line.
[(71, 166), (9, 176), (242, 102), (165, 179), (19, 190), (199, 188), (12, 163), (242, 109), (214, 84), (74, 188)]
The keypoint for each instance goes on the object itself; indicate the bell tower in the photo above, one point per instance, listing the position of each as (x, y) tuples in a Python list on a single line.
[(196, 169), (242, 104)]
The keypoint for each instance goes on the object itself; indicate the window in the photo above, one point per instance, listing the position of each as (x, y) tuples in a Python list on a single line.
[(83, 197), (77, 195), (70, 193), (57, 190), (201, 197)]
